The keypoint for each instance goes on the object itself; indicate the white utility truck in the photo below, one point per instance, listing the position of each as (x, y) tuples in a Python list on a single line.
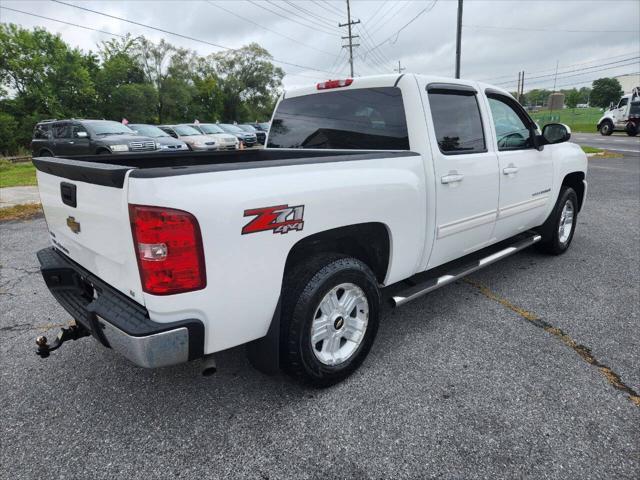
[(406, 180), (623, 116)]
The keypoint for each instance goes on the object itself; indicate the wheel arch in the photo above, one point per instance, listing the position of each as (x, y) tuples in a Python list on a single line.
[(368, 242), (575, 180)]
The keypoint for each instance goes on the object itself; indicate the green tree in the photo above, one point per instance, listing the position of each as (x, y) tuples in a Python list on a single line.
[(572, 98), (43, 77), (168, 69), (538, 96), (8, 126), (249, 82), (585, 94), (605, 91)]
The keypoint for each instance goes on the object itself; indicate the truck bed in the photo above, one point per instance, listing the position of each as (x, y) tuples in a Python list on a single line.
[(110, 170)]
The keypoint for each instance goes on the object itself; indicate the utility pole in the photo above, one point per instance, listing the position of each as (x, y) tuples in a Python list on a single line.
[(521, 87), (518, 89), (350, 36), (400, 69), (555, 78), (459, 39)]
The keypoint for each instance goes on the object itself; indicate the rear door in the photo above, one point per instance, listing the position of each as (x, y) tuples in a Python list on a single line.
[(466, 172), (61, 132), (526, 174)]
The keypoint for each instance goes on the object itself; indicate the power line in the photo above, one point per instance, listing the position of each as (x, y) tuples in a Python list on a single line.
[(329, 22), (180, 35), (330, 5), (582, 74), (631, 59), (298, 42), (313, 26), (491, 27), (62, 21), (396, 34), (566, 66)]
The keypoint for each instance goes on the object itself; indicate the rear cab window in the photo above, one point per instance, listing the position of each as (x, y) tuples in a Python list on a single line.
[(456, 119), (358, 119)]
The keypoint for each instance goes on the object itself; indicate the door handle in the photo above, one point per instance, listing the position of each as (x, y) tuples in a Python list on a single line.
[(70, 142), (510, 170), (452, 177)]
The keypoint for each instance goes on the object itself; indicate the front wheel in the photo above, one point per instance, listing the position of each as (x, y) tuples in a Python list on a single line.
[(606, 128), (329, 318), (561, 224)]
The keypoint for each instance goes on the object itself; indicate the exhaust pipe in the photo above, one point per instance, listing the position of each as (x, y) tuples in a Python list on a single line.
[(209, 366)]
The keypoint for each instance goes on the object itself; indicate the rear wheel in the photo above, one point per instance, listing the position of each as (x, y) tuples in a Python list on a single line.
[(561, 225), (632, 129), (45, 153), (606, 128), (329, 318)]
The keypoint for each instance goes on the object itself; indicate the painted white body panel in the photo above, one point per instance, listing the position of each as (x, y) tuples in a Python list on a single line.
[(429, 223)]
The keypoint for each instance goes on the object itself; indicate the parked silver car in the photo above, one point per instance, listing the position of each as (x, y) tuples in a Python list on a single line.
[(225, 141), (192, 137)]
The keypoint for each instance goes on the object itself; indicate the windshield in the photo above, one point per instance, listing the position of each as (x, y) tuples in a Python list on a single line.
[(210, 128), (227, 127), (149, 131), (108, 127), (247, 128), (363, 119), (186, 131), (264, 126)]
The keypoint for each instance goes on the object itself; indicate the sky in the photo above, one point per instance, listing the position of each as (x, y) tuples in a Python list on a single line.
[(586, 39)]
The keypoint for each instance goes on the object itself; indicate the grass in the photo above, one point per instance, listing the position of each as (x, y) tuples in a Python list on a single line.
[(591, 149), (580, 120), (20, 212), (17, 174)]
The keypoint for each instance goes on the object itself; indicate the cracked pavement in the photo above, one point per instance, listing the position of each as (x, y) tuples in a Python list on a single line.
[(457, 385)]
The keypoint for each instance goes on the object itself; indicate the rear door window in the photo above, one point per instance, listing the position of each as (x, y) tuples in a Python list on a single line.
[(359, 119), (61, 130), (457, 122), (41, 132)]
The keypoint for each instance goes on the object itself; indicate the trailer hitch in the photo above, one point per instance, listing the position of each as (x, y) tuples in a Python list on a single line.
[(74, 332)]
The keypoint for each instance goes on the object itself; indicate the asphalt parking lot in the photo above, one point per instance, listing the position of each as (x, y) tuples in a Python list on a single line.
[(528, 369)]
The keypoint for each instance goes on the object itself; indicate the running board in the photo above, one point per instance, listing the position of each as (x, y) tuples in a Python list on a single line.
[(434, 283)]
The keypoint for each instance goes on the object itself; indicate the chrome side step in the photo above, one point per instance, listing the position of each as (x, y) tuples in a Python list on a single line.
[(432, 284)]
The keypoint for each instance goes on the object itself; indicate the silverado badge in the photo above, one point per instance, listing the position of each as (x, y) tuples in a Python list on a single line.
[(73, 225)]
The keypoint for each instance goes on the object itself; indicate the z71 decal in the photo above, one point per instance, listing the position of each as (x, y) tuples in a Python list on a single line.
[(280, 219)]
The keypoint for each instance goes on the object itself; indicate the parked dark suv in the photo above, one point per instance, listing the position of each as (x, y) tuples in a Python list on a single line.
[(87, 137)]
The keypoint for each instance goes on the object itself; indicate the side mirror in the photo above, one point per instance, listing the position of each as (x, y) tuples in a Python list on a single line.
[(555, 133), (82, 134)]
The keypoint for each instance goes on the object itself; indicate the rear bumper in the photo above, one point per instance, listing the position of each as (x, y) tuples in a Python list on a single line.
[(117, 321)]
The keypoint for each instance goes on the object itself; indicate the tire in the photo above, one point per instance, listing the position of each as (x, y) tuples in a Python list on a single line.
[(556, 237), (631, 129), (307, 310), (606, 128), (45, 153)]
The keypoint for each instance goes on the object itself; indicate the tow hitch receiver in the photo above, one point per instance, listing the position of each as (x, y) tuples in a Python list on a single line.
[(74, 332)]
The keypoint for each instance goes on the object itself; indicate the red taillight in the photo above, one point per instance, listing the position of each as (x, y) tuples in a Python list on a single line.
[(334, 84), (169, 250)]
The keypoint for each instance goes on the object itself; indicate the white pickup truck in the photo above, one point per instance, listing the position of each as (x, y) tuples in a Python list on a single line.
[(403, 180)]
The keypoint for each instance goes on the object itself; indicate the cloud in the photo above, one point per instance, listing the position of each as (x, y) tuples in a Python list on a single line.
[(425, 46)]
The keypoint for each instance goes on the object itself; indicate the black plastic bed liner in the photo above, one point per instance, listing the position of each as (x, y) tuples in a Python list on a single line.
[(111, 170)]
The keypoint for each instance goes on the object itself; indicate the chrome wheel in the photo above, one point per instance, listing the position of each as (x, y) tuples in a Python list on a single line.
[(566, 222), (339, 324)]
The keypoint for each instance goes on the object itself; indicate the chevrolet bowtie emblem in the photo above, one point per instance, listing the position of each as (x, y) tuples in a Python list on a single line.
[(73, 225)]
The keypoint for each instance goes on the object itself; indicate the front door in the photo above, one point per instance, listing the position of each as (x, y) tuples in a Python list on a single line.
[(79, 143), (526, 174), (466, 172)]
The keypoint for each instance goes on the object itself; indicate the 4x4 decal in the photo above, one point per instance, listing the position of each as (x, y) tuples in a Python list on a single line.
[(279, 218)]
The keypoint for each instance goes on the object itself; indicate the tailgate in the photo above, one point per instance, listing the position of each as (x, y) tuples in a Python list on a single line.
[(88, 219)]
